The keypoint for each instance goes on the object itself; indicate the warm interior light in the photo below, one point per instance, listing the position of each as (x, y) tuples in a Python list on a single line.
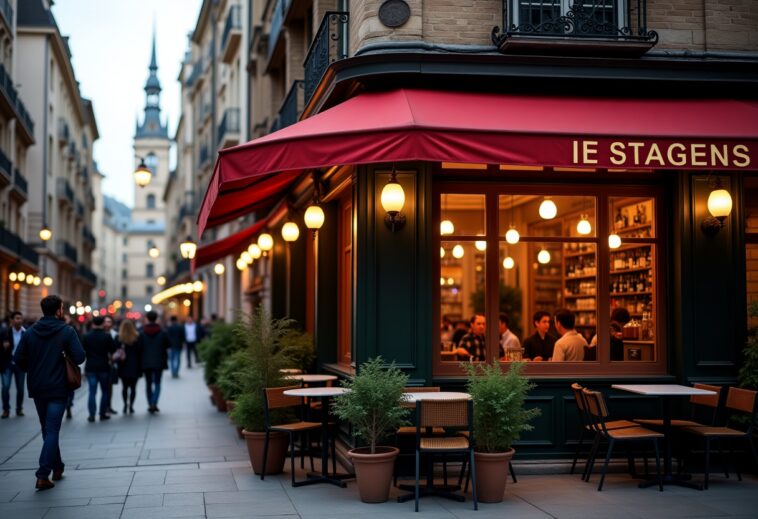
[(393, 196), (241, 264), (47, 281), (450, 281), (442, 281), (290, 231), (265, 242), (21, 276), (45, 233), (314, 217), (508, 263), (37, 281), (458, 252), (512, 236), (246, 257), (188, 248), (548, 210), (219, 268), (142, 175), (446, 227), (543, 256), (614, 241), (12, 276), (584, 226), (161, 280), (719, 203), (254, 251), (29, 279), (442, 252), (187, 303), (197, 286), (480, 245)]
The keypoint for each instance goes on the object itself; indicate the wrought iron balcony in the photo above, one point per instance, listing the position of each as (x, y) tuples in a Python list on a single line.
[(11, 95), (187, 210), (64, 191), (588, 26), (89, 237), (79, 209), (7, 11), (64, 134), (292, 106), (232, 34), (5, 164), (17, 247), (197, 71), (229, 129), (66, 250), (20, 183), (329, 45), (277, 22), (85, 273), (205, 156)]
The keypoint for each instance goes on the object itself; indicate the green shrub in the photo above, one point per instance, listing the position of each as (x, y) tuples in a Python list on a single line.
[(748, 376), (499, 414), (221, 342), (373, 404), (299, 348)]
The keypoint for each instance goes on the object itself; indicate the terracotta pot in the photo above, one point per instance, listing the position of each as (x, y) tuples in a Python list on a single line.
[(491, 475), (230, 404), (374, 472), (277, 451), (218, 397), (213, 393)]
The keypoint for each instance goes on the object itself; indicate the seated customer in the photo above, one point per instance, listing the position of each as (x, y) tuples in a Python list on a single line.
[(508, 340), (540, 345), (472, 345), (570, 347), (619, 317)]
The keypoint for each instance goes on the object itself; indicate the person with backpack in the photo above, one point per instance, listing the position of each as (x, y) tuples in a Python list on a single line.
[(41, 355), (154, 344)]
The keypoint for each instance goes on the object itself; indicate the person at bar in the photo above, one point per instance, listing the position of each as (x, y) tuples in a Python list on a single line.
[(508, 339), (619, 317), (539, 347), (570, 347), (472, 346)]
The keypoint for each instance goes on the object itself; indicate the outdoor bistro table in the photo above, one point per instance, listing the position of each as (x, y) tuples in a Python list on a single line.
[(666, 392), (324, 393), (431, 489), (311, 379)]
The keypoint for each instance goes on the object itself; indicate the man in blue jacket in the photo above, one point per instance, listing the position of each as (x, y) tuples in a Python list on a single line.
[(40, 354)]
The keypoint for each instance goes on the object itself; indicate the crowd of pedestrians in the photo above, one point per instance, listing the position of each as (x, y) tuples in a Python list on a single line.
[(126, 353)]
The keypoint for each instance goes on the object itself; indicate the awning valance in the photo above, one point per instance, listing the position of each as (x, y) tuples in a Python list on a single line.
[(231, 245), (408, 124)]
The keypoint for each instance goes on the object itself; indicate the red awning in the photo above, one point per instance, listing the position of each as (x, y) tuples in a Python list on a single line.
[(231, 245), (406, 125)]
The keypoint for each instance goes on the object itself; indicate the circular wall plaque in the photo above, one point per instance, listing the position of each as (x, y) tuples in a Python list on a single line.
[(394, 13)]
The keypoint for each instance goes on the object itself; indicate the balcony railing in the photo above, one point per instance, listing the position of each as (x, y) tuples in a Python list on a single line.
[(85, 273), (20, 182), (6, 85), (68, 251), (186, 210), (329, 45), (5, 164), (64, 191), (17, 247), (618, 20), (197, 70), (79, 209), (7, 11), (64, 133), (230, 125), (204, 155), (88, 236), (277, 21), (292, 106), (233, 22)]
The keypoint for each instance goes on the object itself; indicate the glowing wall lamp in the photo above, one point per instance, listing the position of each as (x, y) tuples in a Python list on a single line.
[(314, 217), (142, 175), (188, 248), (290, 232), (393, 200), (254, 251), (265, 242), (720, 206), (45, 233)]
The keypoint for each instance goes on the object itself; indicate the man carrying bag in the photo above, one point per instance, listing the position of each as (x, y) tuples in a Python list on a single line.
[(41, 354)]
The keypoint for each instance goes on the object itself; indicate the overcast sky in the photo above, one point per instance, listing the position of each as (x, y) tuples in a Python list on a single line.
[(110, 42)]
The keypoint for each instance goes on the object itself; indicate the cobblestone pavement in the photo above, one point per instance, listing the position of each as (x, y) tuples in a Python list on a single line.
[(188, 462)]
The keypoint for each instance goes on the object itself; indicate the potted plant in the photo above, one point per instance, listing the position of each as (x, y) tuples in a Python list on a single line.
[(213, 350), (499, 420), (230, 379), (373, 406), (258, 368)]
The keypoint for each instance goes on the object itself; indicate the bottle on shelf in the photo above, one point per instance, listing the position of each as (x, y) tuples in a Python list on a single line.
[(619, 220)]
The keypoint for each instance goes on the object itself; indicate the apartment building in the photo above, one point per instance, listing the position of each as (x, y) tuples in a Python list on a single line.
[(487, 114), (60, 164)]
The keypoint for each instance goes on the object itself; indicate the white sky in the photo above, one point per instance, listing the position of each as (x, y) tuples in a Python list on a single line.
[(110, 41)]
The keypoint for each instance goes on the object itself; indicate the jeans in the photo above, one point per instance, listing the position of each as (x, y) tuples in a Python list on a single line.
[(50, 418), (175, 360), (102, 377), (7, 376), (192, 351), (153, 383)]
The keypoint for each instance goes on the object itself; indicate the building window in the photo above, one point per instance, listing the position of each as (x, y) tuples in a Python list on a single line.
[(123, 292), (149, 290), (124, 274), (151, 201), (124, 257), (126, 241), (149, 270), (544, 16), (562, 261), (151, 161)]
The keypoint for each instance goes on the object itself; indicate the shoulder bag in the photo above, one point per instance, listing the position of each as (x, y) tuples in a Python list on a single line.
[(73, 373), (119, 355)]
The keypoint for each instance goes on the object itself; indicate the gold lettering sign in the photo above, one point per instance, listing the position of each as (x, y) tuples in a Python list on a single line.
[(626, 154)]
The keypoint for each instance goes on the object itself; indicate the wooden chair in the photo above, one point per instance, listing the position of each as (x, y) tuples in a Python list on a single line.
[(742, 401), (598, 412), (446, 414), (585, 424), (274, 398), (410, 430), (705, 405)]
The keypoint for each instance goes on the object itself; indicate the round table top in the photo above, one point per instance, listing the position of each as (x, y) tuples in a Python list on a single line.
[(316, 391), (291, 371), (311, 378), (436, 395)]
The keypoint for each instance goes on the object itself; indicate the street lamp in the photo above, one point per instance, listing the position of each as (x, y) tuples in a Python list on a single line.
[(219, 269), (265, 242), (142, 175), (188, 248), (153, 251), (45, 233)]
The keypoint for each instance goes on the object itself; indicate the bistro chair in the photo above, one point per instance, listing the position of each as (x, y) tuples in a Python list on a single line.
[(705, 406), (585, 424), (449, 415), (410, 430), (275, 399), (598, 412), (743, 402)]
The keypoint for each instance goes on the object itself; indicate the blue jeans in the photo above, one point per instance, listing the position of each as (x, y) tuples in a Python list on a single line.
[(102, 377), (153, 383), (175, 360), (7, 376), (50, 418)]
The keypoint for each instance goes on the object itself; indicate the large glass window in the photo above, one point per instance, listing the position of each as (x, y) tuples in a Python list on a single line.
[(564, 276)]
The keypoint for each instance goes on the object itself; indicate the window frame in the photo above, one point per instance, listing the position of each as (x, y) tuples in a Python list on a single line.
[(595, 186)]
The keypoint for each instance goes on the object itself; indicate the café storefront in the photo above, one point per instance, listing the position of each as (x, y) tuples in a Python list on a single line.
[(609, 197)]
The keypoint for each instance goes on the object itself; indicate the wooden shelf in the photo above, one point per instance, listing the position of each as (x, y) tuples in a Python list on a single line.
[(579, 278), (578, 296), (619, 294), (579, 254), (633, 228), (630, 341), (629, 271)]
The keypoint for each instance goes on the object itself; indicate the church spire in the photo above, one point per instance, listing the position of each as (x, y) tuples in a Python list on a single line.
[(151, 125)]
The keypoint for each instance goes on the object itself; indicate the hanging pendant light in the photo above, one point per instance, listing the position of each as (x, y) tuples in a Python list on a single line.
[(584, 227), (512, 236), (255, 251), (290, 232), (480, 245), (458, 252), (543, 256), (548, 209), (446, 228), (614, 241), (508, 263), (442, 252)]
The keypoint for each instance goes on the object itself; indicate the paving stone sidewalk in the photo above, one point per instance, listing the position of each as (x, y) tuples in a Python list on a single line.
[(188, 462)]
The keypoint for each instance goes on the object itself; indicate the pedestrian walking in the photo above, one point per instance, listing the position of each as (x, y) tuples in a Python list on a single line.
[(99, 346), (41, 355), (154, 344), (176, 335), (130, 363), (193, 333), (8, 370), (108, 326)]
